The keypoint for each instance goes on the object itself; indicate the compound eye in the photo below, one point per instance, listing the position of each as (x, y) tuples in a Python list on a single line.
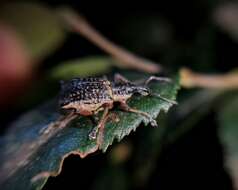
[(129, 90), (144, 92)]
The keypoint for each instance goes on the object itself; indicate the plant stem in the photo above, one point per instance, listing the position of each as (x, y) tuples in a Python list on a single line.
[(126, 59), (191, 79)]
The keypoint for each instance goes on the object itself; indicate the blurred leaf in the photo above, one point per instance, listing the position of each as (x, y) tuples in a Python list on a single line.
[(113, 177), (83, 67), (120, 153), (28, 158), (228, 120), (36, 24), (15, 67)]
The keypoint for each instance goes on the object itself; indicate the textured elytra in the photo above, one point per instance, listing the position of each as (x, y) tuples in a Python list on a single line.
[(91, 90), (94, 89)]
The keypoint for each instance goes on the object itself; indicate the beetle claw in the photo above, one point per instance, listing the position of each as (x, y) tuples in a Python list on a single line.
[(93, 134), (153, 123)]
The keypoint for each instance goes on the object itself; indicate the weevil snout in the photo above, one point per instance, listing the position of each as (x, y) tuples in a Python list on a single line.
[(145, 91)]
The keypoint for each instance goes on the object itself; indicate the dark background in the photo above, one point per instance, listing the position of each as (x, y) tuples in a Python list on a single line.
[(175, 34)]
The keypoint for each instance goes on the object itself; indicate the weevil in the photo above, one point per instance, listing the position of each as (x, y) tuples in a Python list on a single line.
[(88, 96)]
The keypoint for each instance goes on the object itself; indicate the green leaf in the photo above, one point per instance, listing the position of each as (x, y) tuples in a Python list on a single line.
[(83, 67), (36, 24), (228, 119), (28, 156)]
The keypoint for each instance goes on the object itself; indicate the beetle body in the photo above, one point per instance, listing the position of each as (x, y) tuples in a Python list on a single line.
[(88, 96), (85, 95)]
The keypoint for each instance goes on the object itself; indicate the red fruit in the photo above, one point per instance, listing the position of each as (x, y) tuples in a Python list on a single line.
[(15, 66)]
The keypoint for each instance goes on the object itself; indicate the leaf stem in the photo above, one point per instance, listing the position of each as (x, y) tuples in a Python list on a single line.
[(126, 59), (191, 79)]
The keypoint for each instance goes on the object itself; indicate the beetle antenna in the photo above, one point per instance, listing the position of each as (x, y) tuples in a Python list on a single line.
[(162, 79), (165, 99)]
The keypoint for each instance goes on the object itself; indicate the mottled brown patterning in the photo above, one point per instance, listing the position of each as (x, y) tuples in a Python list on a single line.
[(88, 96)]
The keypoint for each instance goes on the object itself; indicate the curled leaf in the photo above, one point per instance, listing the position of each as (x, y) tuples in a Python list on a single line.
[(36, 145)]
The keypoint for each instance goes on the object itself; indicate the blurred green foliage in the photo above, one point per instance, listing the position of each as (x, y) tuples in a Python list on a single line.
[(83, 67), (36, 24), (228, 132)]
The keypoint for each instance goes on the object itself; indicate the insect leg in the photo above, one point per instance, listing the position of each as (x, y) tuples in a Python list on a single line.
[(162, 79), (127, 108), (93, 133), (94, 117)]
